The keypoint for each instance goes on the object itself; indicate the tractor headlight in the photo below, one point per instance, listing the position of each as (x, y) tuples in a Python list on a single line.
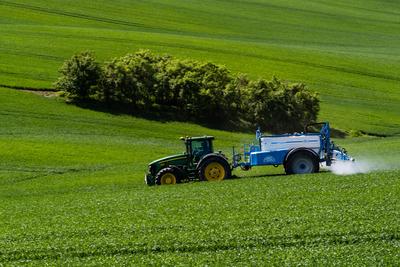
[(151, 169)]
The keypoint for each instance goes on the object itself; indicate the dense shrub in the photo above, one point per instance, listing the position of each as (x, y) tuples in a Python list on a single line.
[(197, 91), (196, 88), (144, 79), (131, 79), (79, 75), (278, 106)]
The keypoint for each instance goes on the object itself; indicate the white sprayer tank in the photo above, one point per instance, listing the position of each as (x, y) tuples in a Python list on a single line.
[(289, 142)]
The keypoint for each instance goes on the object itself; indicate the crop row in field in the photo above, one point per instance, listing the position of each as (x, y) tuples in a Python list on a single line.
[(321, 218)]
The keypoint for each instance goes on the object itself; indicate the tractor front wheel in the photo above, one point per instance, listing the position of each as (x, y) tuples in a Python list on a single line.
[(214, 169), (167, 176)]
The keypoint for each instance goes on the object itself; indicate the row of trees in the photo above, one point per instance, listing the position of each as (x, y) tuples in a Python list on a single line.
[(201, 91)]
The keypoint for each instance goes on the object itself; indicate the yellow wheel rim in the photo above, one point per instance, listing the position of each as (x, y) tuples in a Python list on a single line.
[(168, 178), (214, 172)]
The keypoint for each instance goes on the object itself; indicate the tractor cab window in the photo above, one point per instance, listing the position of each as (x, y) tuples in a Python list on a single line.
[(200, 148)]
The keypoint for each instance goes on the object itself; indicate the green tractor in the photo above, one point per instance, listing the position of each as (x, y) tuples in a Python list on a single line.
[(199, 162)]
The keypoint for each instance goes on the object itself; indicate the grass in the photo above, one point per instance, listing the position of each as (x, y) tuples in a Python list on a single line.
[(319, 219), (71, 179), (72, 192), (348, 51)]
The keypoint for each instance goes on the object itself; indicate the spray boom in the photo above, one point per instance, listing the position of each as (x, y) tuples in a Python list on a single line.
[(339, 153)]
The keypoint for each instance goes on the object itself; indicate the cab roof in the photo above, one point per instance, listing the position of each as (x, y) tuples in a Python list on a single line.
[(205, 137)]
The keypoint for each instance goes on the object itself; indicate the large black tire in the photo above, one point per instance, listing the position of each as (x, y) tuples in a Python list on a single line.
[(302, 162), (168, 176), (214, 169)]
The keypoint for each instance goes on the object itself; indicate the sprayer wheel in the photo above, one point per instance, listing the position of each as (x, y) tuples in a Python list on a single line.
[(302, 162)]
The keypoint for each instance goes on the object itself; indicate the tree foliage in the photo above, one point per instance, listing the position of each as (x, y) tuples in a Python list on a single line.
[(79, 75), (200, 91), (279, 106)]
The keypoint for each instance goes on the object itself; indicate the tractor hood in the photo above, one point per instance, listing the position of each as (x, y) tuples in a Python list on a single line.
[(169, 159), (159, 164)]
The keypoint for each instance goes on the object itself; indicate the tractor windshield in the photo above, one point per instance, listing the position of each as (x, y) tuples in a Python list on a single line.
[(201, 147)]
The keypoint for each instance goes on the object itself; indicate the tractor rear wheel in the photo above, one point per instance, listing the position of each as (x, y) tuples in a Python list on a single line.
[(214, 169), (302, 162), (167, 176)]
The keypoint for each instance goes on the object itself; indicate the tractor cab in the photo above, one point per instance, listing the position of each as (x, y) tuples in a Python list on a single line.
[(199, 162), (198, 147)]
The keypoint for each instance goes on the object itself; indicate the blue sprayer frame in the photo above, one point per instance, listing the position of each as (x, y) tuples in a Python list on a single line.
[(252, 152)]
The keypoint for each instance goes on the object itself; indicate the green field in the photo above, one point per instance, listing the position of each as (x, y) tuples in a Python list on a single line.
[(72, 192), (71, 179), (348, 51)]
